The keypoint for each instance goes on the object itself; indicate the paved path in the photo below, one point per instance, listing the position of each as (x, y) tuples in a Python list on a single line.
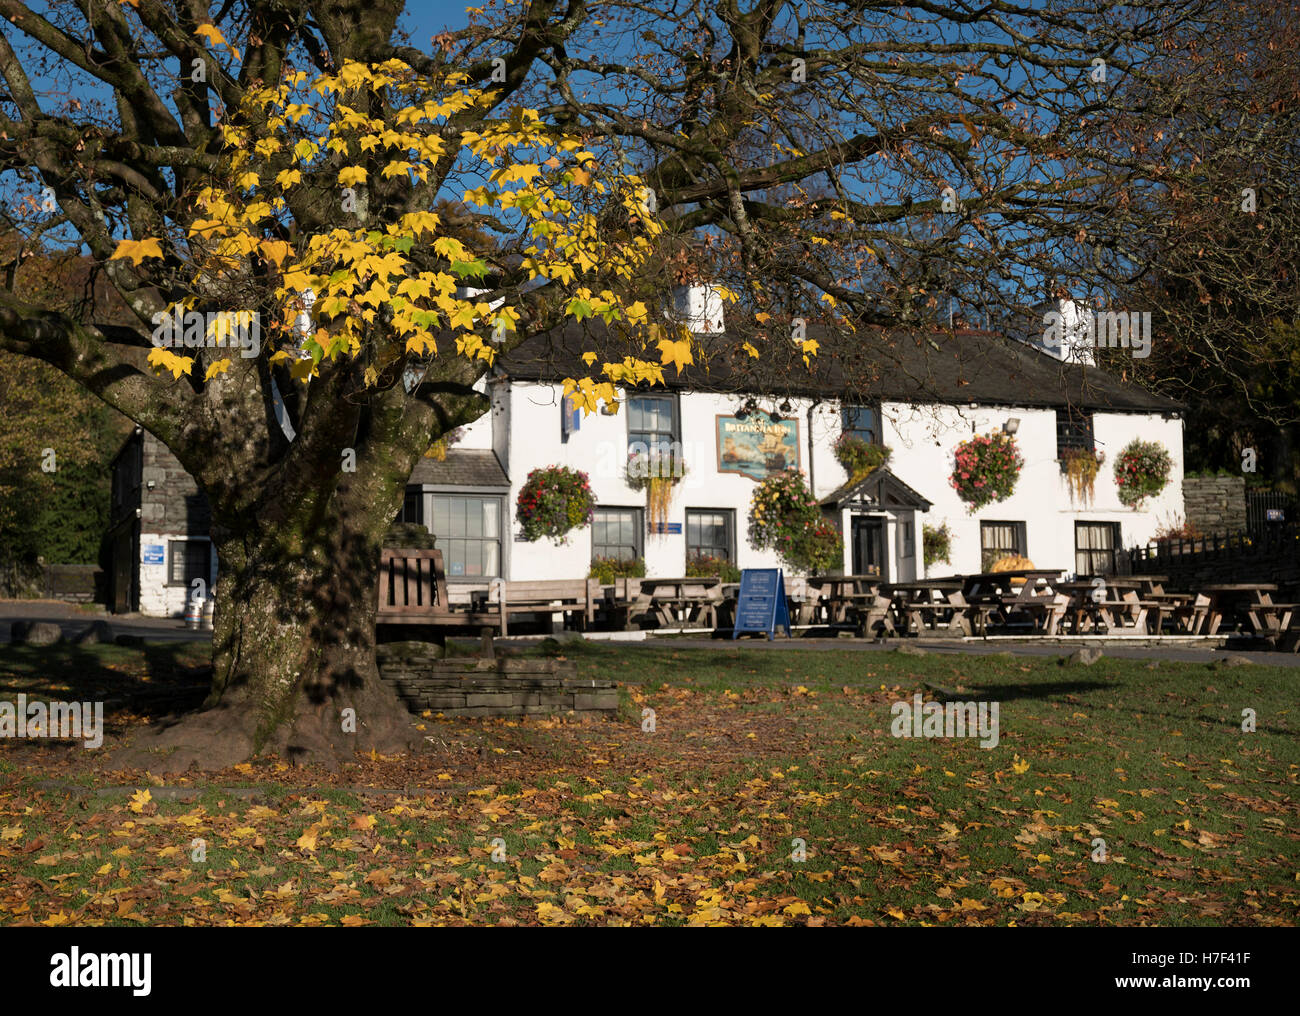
[(72, 621)]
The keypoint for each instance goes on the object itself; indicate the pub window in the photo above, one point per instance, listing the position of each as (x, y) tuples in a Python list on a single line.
[(709, 533), (652, 423), (189, 560), (999, 540), (861, 421), (1095, 544), (468, 529), (616, 533), (1073, 431)]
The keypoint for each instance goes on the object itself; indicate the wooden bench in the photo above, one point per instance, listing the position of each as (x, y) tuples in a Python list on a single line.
[(412, 590), (579, 597)]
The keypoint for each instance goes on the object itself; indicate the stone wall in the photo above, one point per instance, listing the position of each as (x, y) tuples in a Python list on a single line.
[(1215, 504), (492, 687), (174, 506)]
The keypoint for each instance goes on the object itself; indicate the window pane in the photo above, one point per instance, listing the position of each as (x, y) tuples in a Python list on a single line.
[(469, 535), (708, 534), (861, 421), (616, 533)]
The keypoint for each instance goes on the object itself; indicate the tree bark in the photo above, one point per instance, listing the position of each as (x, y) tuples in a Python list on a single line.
[(293, 648)]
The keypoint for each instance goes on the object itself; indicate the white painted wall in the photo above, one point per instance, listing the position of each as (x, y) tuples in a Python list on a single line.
[(923, 439), (157, 598), (599, 448)]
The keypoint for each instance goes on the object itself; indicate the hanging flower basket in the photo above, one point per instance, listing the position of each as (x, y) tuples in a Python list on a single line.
[(553, 501), (1141, 471), (985, 469), (860, 458), (1081, 467), (784, 516), (656, 474)]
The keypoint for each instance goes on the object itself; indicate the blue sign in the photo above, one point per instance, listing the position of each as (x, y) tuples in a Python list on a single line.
[(761, 605), (153, 553), (667, 528), (1275, 514)]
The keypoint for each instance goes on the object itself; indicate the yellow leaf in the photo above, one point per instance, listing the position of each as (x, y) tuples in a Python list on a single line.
[(675, 352), (139, 799), (1019, 765), (750, 350), (138, 250), (11, 832), (160, 358), (286, 178), (220, 367), (212, 33), (104, 869), (350, 175), (55, 920), (307, 841)]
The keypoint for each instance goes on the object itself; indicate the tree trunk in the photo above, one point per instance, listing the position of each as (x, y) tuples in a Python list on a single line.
[(293, 652)]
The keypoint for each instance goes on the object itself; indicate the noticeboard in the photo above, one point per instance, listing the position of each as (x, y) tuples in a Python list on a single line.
[(761, 605)]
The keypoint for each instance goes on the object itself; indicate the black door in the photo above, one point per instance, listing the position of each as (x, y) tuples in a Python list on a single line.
[(868, 539)]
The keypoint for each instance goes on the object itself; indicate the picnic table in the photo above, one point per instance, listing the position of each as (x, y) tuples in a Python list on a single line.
[(1027, 591), (678, 602), (841, 595), (930, 604), (1255, 597), (1118, 606)]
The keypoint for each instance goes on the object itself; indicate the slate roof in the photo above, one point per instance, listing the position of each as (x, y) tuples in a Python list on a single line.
[(966, 366), (882, 487), (463, 467)]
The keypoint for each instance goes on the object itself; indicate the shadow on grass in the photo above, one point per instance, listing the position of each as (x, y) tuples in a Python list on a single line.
[(1040, 690), (150, 681)]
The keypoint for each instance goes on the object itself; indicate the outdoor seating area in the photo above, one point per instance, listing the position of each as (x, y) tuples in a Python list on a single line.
[(1024, 602)]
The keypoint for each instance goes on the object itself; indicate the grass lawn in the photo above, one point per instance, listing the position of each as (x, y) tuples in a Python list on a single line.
[(601, 822)]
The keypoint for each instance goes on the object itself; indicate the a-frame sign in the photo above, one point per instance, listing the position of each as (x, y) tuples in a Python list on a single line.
[(761, 605)]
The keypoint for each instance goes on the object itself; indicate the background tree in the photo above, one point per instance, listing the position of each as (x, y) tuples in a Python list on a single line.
[(283, 159), (1213, 251)]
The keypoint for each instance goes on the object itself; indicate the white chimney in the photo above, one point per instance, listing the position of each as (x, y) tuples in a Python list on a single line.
[(699, 308), (1063, 329)]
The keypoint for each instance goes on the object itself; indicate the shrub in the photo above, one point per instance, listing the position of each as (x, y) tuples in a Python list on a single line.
[(1141, 471), (607, 569), (985, 469), (552, 501), (703, 565)]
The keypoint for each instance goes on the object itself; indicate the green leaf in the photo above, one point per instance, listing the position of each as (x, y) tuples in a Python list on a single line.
[(467, 269)]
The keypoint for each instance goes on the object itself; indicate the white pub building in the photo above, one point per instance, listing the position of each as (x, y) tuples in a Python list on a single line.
[(936, 392)]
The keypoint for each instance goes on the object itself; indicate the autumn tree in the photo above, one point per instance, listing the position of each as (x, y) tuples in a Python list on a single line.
[(1214, 252), (833, 164)]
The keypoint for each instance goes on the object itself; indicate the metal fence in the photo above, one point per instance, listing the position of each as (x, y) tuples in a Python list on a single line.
[(1267, 510)]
